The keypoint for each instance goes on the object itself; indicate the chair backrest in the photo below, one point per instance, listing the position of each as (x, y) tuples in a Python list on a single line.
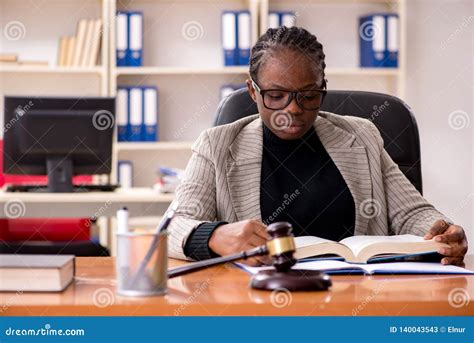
[(391, 116)]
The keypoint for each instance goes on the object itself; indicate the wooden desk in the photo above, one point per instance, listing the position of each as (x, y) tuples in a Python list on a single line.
[(224, 291)]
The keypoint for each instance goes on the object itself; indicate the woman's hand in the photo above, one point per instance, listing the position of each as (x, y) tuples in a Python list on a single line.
[(240, 236), (454, 236)]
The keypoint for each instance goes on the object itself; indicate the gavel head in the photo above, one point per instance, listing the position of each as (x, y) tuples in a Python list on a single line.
[(281, 245)]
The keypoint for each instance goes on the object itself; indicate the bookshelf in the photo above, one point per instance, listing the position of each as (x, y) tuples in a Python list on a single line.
[(183, 58), (341, 41), (34, 36)]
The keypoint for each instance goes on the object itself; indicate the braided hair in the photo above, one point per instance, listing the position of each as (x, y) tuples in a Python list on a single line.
[(294, 38)]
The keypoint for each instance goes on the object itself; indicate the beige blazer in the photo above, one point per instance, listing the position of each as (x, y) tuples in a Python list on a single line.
[(222, 179)]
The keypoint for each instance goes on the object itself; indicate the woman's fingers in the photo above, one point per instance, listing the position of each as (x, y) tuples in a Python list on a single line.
[(456, 261), (453, 234), (437, 228)]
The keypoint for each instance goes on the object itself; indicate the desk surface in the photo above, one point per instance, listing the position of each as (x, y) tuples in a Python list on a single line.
[(224, 291)]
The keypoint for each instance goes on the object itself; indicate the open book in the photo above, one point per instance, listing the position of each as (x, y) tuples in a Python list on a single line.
[(366, 249)]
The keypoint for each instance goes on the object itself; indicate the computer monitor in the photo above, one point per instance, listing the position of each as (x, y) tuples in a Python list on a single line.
[(60, 137)]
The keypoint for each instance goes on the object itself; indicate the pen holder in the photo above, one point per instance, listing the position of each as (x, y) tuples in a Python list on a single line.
[(136, 280)]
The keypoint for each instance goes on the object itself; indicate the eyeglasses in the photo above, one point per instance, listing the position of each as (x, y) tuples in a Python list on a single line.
[(278, 99)]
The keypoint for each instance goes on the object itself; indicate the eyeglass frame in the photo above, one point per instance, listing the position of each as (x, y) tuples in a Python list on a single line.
[(293, 95)]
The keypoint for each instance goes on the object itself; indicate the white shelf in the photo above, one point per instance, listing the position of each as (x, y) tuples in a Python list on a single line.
[(48, 69), (244, 70), (147, 146), (363, 71), (382, 2), (179, 70)]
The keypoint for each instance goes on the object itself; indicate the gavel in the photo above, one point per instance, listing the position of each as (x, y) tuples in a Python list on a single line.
[(280, 247)]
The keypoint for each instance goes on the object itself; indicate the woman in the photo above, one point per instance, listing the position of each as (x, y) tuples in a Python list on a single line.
[(327, 174)]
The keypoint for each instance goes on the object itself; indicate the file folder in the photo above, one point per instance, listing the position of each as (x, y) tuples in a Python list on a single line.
[(287, 19), (391, 56), (244, 37), (229, 37), (136, 116), (135, 53), (372, 37), (121, 38), (273, 20), (125, 174), (150, 114), (122, 114)]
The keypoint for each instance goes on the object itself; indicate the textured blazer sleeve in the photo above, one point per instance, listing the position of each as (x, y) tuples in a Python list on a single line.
[(196, 195), (407, 210)]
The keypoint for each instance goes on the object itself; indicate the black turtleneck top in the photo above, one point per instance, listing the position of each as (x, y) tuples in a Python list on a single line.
[(300, 184)]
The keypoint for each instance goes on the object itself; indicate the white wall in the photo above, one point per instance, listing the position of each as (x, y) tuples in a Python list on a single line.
[(440, 85)]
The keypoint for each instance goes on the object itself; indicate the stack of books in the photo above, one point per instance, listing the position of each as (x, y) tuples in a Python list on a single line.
[(81, 50), (168, 179)]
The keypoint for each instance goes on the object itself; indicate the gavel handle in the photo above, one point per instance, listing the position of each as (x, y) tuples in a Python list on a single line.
[(259, 251)]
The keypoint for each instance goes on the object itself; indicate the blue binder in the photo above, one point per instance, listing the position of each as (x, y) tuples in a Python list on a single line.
[(135, 96), (392, 36), (150, 114), (372, 37), (135, 41), (274, 20), (122, 114), (229, 37), (244, 37), (121, 38), (287, 18)]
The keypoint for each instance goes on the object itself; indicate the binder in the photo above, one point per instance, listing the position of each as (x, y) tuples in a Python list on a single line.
[(229, 37), (391, 53), (135, 27), (121, 40), (287, 18), (136, 114), (125, 174), (122, 114), (244, 37), (150, 114), (273, 20), (372, 39)]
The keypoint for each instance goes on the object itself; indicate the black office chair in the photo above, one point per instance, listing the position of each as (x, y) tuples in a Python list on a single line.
[(391, 116)]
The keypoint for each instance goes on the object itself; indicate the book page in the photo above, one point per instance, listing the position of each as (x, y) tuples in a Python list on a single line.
[(357, 243), (303, 241), (310, 246)]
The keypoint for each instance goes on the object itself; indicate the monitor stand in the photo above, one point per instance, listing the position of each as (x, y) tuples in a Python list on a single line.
[(59, 171)]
